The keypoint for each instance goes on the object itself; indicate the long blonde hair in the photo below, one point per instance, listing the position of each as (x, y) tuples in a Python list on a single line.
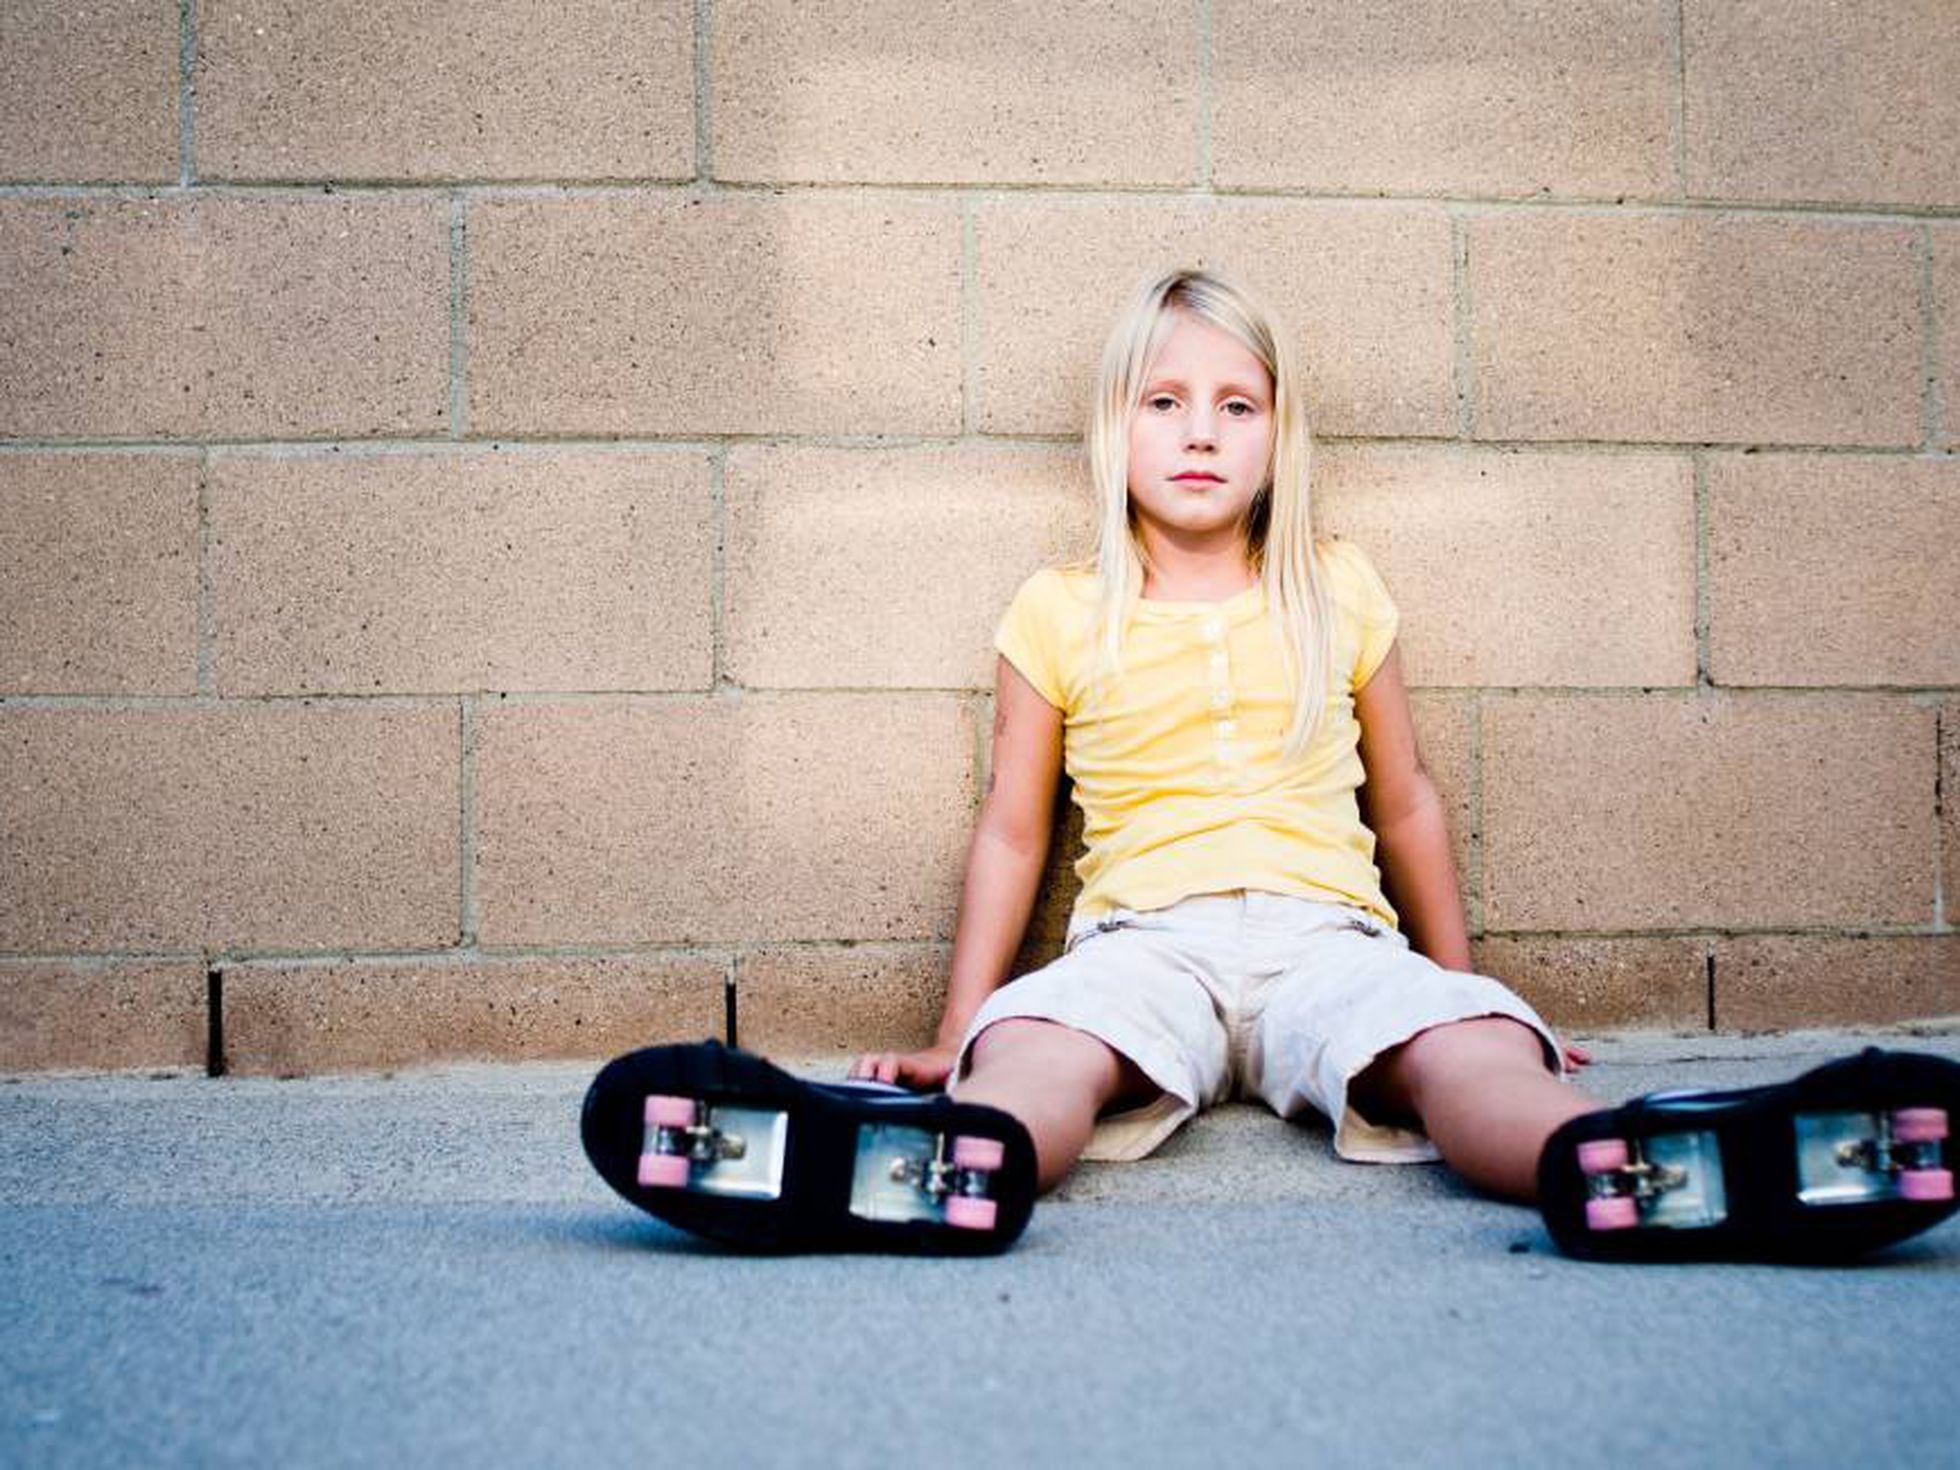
[(1279, 521)]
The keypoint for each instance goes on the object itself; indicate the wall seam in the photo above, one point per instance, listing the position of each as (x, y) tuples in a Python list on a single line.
[(718, 573), (469, 733), (969, 320), (1678, 121), (1931, 409), (1939, 819), (1475, 877), (1460, 279), (1207, 96), (206, 637), (704, 151), (458, 315), (1704, 590), (186, 93)]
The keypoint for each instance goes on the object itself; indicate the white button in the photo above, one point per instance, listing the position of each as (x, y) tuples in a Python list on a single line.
[(1221, 699), (1213, 629), (1227, 729)]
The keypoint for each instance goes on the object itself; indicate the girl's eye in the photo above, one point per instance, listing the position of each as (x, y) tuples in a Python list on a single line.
[(1239, 408), (1161, 402)]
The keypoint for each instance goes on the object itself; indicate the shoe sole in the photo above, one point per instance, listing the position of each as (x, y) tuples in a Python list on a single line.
[(1827, 1166), (727, 1146)]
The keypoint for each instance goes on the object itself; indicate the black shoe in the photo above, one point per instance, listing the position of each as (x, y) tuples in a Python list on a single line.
[(1844, 1159), (723, 1144)]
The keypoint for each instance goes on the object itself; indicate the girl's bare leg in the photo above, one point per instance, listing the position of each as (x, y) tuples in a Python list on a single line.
[(1053, 1078), (1482, 1093)]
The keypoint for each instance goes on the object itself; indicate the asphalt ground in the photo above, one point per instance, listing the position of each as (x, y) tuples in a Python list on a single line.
[(388, 1269)]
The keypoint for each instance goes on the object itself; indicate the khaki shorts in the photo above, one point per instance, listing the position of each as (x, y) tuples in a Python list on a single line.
[(1250, 994)]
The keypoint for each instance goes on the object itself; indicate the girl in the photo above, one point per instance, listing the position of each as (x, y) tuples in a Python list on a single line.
[(1268, 905)]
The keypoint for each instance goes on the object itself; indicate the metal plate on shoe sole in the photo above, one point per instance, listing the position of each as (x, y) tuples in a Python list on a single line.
[(1834, 1160), (1701, 1199), (758, 1173), (875, 1195)]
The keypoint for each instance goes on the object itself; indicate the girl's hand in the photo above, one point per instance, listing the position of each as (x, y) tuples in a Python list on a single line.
[(1575, 1056), (922, 1071)]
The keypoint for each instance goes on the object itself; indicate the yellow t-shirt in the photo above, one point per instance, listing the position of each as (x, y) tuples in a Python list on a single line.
[(1177, 761)]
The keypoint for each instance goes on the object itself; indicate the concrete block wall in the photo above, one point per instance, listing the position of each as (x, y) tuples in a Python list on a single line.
[(502, 507)]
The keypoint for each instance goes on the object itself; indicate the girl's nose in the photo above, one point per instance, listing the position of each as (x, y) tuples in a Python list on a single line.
[(1199, 428)]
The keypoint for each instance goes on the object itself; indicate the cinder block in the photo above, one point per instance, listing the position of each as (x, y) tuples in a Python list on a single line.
[(1778, 982), (243, 827), (755, 818), (1440, 96), (204, 316), (889, 568), (295, 89), (811, 1001), (1949, 720), (1565, 569), (1834, 570), (1587, 985), (345, 1017), (446, 570), (88, 94), (1677, 811), (1691, 329), (1946, 333), (98, 574), (658, 313), (92, 1017), (1822, 103), (1366, 289), (1017, 91)]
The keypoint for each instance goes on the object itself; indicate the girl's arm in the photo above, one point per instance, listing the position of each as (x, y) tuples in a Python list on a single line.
[(1003, 871), (1400, 804)]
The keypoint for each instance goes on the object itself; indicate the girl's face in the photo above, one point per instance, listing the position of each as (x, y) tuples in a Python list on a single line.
[(1201, 438)]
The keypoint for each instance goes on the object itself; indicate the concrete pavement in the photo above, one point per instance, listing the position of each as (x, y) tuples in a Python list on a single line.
[(386, 1269)]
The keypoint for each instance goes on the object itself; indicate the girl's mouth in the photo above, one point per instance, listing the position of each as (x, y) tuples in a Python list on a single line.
[(1197, 479)]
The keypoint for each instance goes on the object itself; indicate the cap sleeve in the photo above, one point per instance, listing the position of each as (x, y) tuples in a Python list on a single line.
[(1029, 635), (1366, 596)]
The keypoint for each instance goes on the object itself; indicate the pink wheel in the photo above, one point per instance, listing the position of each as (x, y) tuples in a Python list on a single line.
[(1919, 1125), (964, 1212), (979, 1153), (1618, 1213), (663, 1171), (670, 1112), (1603, 1155), (1926, 1184)]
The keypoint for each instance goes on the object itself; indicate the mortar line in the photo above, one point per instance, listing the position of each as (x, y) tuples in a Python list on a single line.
[(547, 443), (186, 92), (1460, 279), (1613, 206), (458, 314), (468, 732), (1678, 118), (1476, 874), (1704, 592), (969, 319), (718, 573), (206, 637), (1939, 818), (704, 151), (1931, 409), (1207, 96)]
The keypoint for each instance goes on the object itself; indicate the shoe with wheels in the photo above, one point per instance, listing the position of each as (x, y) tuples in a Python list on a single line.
[(1847, 1158), (725, 1145)]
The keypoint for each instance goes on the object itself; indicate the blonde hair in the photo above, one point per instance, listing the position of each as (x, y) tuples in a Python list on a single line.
[(1279, 522)]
